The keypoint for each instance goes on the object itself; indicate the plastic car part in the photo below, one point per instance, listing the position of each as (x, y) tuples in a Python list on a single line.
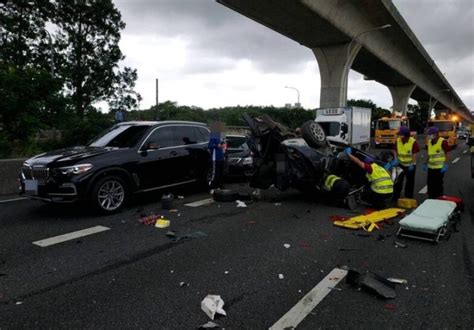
[(368, 222)]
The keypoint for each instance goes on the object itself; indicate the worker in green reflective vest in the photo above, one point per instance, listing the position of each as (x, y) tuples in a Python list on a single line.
[(379, 181), (336, 187)]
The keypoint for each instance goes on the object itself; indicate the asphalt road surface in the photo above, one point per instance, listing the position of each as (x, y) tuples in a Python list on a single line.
[(131, 275)]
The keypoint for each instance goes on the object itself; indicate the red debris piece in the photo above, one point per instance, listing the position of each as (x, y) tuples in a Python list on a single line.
[(390, 307), (368, 211), (149, 220), (337, 218)]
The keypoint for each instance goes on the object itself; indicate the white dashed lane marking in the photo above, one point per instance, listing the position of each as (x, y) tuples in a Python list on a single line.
[(455, 160), (69, 236), (309, 302), (13, 200)]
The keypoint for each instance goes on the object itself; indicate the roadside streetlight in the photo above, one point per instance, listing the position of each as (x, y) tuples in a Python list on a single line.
[(386, 26), (297, 91)]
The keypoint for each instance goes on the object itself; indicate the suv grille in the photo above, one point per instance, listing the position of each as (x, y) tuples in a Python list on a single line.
[(39, 173)]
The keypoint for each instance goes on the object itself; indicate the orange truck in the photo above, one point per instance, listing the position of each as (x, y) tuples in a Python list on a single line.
[(446, 125), (386, 129)]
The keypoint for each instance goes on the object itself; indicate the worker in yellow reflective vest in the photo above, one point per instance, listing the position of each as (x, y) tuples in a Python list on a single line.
[(336, 187), (437, 164), (380, 183), (406, 149)]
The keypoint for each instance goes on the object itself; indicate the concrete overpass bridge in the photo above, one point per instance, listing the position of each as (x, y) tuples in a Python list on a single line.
[(368, 36)]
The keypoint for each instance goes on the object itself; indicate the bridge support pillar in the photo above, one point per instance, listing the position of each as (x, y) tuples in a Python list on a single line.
[(400, 97), (334, 65)]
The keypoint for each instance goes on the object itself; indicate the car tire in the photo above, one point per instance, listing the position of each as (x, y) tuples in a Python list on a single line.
[(313, 134), (224, 195), (109, 194)]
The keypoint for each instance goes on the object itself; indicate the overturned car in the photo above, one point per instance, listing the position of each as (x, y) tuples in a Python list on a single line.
[(286, 160)]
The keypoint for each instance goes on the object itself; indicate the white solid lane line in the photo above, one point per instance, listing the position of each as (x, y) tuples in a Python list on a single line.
[(295, 315), (70, 236), (13, 199), (456, 160), (423, 190), (206, 201)]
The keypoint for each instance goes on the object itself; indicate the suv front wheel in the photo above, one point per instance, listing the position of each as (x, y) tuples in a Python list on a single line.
[(109, 194)]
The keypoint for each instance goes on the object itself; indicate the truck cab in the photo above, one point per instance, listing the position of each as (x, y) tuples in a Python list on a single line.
[(386, 129), (447, 128)]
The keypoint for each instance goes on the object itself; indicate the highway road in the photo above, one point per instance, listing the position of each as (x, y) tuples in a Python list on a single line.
[(125, 274)]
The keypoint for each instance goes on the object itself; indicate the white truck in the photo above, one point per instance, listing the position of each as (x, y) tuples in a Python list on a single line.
[(349, 125)]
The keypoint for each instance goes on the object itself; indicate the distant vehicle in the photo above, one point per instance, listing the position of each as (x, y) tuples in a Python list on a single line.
[(349, 125), (239, 156), (387, 128), (463, 134), (446, 125), (129, 158)]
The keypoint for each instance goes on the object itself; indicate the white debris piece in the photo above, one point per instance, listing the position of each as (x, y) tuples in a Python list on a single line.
[(287, 246), (280, 276), (213, 304), (240, 203), (209, 325)]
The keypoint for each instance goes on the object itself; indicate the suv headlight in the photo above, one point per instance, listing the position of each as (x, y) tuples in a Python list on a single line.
[(76, 169)]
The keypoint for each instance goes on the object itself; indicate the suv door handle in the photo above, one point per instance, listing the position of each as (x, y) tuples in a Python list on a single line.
[(173, 153)]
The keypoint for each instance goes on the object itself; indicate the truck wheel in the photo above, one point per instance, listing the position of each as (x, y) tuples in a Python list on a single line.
[(109, 194), (313, 134)]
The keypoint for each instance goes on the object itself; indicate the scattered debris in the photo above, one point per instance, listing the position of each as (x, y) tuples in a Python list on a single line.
[(172, 271), (240, 203), (226, 272), (287, 246), (397, 280), (213, 304), (19, 303), (171, 234), (390, 307), (277, 204), (149, 220), (209, 325), (349, 249), (162, 223), (173, 210), (372, 283), (180, 197), (280, 276), (188, 237), (181, 284), (167, 201), (203, 202), (400, 245)]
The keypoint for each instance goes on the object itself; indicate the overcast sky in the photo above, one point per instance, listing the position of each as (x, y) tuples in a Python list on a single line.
[(207, 55)]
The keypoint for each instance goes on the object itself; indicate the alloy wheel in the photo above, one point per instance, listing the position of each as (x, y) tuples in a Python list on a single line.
[(111, 195)]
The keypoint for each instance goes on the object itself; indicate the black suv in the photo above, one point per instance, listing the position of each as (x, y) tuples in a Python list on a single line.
[(130, 157)]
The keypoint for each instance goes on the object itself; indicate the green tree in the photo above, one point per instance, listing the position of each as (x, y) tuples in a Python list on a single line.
[(88, 36)]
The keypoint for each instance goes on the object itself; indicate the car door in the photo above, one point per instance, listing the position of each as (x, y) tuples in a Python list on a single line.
[(192, 146), (158, 158)]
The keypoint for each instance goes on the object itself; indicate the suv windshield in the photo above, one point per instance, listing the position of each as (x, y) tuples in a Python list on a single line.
[(123, 136)]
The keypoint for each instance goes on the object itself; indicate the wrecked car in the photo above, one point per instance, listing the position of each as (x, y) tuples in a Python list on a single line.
[(302, 166)]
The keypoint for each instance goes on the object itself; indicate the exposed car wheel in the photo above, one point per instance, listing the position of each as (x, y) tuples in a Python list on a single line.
[(109, 194), (313, 134)]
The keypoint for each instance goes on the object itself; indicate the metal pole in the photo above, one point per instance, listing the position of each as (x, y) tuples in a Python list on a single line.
[(297, 91), (156, 101)]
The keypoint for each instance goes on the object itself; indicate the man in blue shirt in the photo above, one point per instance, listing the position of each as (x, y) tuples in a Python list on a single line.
[(217, 152)]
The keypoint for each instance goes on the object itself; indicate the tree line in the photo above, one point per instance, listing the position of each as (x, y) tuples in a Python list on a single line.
[(58, 60)]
